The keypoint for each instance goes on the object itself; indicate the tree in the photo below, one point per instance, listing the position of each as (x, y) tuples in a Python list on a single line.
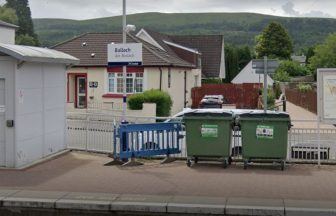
[(8, 15), (325, 55), (274, 42), (25, 22), (231, 62), (292, 68), (244, 57), (25, 39)]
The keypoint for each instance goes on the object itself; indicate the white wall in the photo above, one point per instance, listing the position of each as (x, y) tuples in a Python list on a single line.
[(40, 111), (7, 35), (7, 68), (151, 81)]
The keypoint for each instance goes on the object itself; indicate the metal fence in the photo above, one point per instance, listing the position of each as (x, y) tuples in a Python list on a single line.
[(95, 133)]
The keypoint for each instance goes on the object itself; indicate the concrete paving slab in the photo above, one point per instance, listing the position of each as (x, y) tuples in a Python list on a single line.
[(5, 193), (197, 205), (309, 208), (141, 203), (248, 206), (33, 199), (86, 201)]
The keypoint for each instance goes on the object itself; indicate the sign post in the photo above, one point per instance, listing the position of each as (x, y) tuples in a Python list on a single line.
[(124, 55), (265, 84), (265, 66)]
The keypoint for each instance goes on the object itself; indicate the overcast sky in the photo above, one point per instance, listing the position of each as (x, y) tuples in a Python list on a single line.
[(87, 9)]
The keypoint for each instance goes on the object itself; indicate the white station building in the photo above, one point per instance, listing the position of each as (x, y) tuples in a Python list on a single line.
[(32, 101)]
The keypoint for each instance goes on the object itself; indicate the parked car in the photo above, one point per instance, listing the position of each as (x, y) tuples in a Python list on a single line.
[(212, 101)]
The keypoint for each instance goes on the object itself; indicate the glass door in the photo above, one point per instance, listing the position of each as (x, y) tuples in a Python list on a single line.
[(81, 92)]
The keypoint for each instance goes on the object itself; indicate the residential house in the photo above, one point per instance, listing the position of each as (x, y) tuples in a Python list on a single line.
[(300, 59), (167, 65), (249, 75)]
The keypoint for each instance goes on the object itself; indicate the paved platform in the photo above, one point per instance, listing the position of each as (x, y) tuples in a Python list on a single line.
[(23, 202), (83, 172), (78, 183)]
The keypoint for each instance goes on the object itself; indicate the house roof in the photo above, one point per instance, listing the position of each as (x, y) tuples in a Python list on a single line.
[(8, 25), (37, 54), (211, 47), (96, 43)]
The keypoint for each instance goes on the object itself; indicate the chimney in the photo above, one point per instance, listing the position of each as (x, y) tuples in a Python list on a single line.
[(7, 32)]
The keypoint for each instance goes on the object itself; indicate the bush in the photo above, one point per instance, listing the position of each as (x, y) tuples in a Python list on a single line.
[(281, 76), (212, 81), (135, 102), (161, 99), (277, 90), (270, 98), (292, 68), (304, 87)]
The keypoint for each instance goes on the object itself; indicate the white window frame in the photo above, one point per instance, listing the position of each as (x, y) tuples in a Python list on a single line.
[(118, 75)]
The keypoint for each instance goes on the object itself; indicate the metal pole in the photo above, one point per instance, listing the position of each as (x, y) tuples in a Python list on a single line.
[(319, 142), (124, 67), (265, 84)]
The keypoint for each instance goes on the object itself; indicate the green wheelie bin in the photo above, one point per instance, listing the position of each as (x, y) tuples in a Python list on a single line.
[(264, 136), (208, 135)]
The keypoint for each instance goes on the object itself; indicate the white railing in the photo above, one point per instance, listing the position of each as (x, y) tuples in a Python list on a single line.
[(96, 133)]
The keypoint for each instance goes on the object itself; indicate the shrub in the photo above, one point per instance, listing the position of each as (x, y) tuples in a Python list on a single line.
[(277, 90), (292, 68), (135, 102), (304, 87), (212, 81), (281, 76), (270, 98), (161, 99)]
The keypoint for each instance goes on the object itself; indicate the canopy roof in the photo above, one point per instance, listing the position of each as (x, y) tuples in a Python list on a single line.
[(37, 54)]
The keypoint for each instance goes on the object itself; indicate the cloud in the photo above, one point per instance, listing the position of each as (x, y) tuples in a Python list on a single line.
[(288, 8)]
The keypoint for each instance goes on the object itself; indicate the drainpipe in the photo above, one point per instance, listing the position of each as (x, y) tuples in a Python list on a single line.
[(160, 78)]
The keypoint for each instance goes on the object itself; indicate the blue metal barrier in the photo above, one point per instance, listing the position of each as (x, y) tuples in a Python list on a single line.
[(144, 140)]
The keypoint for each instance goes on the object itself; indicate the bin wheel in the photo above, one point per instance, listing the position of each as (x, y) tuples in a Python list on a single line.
[(245, 164), (283, 163), (188, 162), (196, 160), (225, 163), (230, 160)]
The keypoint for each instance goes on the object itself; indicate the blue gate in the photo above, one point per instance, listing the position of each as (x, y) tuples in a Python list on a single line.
[(145, 140)]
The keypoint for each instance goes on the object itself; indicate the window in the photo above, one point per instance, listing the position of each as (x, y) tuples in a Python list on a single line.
[(134, 83)]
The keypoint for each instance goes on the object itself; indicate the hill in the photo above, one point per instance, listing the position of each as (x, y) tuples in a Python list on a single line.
[(237, 28)]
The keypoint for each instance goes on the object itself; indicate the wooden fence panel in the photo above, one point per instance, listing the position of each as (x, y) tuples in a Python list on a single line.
[(307, 100), (243, 95)]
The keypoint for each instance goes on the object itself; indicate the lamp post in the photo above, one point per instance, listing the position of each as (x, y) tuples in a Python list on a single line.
[(124, 67)]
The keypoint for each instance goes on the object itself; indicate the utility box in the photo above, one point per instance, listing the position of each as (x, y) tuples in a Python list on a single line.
[(32, 103), (264, 135), (208, 135)]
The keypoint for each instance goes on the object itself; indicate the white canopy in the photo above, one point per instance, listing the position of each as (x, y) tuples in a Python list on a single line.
[(37, 54)]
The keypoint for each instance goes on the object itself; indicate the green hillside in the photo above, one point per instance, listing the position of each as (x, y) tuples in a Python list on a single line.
[(238, 28)]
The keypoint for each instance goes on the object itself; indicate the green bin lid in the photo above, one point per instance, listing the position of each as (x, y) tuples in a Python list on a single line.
[(209, 112), (262, 114)]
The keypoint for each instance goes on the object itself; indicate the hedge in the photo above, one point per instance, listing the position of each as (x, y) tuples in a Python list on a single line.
[(161, 99)]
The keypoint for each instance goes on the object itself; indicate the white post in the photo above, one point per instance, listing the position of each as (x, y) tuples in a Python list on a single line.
[(124, 67), (265, 84), (319, 142)]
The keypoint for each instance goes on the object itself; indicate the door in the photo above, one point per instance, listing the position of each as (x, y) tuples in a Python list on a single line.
[(81, 92), (2, 122)]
